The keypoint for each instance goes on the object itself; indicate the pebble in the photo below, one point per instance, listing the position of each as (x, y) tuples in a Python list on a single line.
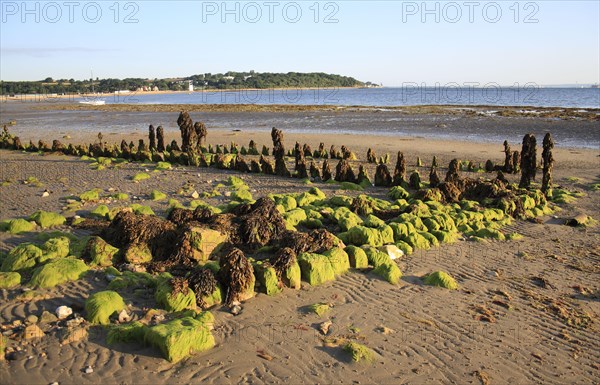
[(89, 370), (235, 309), (31, 319), (45, 194), (47, 317), (63, 312), (54, 383), (195, 195)]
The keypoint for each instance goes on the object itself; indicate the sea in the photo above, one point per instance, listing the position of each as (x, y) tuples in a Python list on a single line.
[(408, 95)]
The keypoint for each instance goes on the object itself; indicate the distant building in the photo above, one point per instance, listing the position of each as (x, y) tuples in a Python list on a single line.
[(191, 86), (227, 78)]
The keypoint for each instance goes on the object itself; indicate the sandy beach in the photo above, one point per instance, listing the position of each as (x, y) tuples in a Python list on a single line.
[(540, 333)]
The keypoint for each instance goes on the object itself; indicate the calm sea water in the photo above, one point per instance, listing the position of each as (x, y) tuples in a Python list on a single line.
[(531, 96)]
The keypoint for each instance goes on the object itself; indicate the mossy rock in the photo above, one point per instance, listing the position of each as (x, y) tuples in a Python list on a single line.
[(361, 235), (287, 202), (170, 302), (417, 241), (266, 278), (359, 352), (341, 201), (397, 192), (445, 236), (58, 271), (493, 214), (349, 186), (430, 238), (295, 216), (214, 298), (163, 166), (441, 279), (316, 269), (528, 202), (235, 182), (514, 236), (17, 226), (127, 333), (23, 257), (140, 176), (129, 279), (100, 212), (205, 242), (490, 233), (357, 257), (319, 308), (156, 195), (292, 276), (242, 195), (312, 223), (47, 219), (181, 337), (405, 247), (377, 257), (390, 272), (373, 221), (101, 253), (346, 219), (120, 196), (140, 209), (90, 195), (58, 247), (338, 259), (101, 305), (400, 230), (9, 280), (137, 253)]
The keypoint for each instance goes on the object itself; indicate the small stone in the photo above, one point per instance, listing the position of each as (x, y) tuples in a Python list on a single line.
[(89, 370), (31, 319), (392, 250), (227, 193), (325, 326), (73, 335), (111, 189), (32, 331), (63, 312), (47, 317), (493, 274), (54, 383), (45, 194), (16, 323), (195, 195), (124, 317), (235, 309)]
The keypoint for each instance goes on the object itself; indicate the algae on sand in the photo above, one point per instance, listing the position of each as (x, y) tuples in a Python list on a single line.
[(319, 308), (100, 306), (47, 219)]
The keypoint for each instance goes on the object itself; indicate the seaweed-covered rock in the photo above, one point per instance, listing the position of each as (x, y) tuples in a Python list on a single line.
[(357, 257), (441, 279), (266, 278), (295, 216), (17, 226), (434, 177), (361, 235), (57, 247), (237, 275), (415, 180), (508, 158), (326, 171), (100, 252), (199, 243), (58, 271), (316, 268), (188, 134), (9, 280), (22, 257), (371, 157), (101, 305), (359, 352), (384, 266), (206, 287), (174, 294), (137, 253), (181, 337), (286, 266), (47, 219)]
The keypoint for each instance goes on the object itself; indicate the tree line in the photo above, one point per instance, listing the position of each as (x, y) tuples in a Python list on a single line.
[(228, 80)]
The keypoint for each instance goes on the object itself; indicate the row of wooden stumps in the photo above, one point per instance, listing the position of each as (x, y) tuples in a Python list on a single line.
[(193, 136)]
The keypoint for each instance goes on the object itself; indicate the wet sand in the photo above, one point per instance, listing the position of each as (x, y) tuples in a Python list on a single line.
[(433, 336)]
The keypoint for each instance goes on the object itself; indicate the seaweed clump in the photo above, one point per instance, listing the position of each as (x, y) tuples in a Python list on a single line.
[(237, 275)]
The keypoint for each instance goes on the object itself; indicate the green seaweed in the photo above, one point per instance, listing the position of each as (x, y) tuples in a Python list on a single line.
[(22, 257), (319, 308), (90, 195), (156, 195), (100, 212), (266, 278), (17, 226), (9, 280), (180, 301), (101, 253), (359, 352), (47, 219), (101, 305), (140, 176)]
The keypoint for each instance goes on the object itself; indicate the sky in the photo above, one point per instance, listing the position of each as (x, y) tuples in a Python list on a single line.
[(388, 42)]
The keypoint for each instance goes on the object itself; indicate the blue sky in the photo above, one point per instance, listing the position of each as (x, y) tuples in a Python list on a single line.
[(389, 42)]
